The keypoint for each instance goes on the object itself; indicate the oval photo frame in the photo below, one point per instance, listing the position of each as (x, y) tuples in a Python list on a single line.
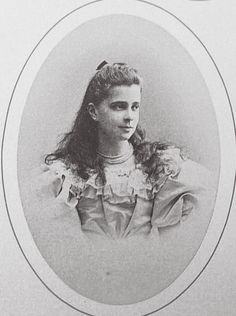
[(225, 120)]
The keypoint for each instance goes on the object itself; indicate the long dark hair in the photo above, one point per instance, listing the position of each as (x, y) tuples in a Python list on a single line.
[(79, 146)]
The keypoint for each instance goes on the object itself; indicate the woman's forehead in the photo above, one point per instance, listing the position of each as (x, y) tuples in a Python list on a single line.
[(125, 93)]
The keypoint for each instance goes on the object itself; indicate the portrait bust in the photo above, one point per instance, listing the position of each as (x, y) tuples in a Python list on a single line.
[(151, 212)]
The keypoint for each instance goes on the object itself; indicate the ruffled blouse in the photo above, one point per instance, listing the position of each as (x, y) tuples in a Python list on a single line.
[(129, 202)]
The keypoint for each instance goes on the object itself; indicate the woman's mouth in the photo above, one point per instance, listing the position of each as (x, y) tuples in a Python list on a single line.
[(126, 128)]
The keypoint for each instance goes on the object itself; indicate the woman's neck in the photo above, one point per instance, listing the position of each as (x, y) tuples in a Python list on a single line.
[(114, 148)]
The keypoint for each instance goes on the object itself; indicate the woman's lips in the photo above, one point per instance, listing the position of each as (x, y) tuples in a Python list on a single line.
[(126, 128)]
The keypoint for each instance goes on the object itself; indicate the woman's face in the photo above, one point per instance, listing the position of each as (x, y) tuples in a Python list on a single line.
[(118, 115)]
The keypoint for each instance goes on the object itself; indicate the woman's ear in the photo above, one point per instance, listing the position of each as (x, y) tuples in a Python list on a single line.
[(92, 111)]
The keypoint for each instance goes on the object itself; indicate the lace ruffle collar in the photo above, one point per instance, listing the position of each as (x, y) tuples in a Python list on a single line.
[(122, 184)]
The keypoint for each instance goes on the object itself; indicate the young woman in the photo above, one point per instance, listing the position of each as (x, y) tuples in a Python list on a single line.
[(118, 184), (117, 218)]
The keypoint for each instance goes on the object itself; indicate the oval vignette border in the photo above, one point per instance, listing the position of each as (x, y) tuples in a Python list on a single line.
[(3, 137)]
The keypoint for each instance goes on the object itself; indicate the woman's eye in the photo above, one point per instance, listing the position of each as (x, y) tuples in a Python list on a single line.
[(135, 107), (118, 106), (122, 106)]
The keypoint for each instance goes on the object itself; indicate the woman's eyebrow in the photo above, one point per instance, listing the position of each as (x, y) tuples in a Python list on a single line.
[(122, 102), (119, 102)]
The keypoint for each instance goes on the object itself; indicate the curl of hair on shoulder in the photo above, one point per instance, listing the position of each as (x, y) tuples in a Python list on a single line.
[(151, 156)]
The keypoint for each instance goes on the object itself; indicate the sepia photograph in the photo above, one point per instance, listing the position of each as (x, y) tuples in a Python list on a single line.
[(117, 162), (117, 172)]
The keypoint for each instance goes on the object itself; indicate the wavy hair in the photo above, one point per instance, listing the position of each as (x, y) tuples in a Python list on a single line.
[(79, 146)]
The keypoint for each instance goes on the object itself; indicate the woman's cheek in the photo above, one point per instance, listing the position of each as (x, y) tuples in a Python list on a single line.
[(137, 119)]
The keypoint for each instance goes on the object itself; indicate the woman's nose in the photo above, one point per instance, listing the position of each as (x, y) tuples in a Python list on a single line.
[(128, 115)]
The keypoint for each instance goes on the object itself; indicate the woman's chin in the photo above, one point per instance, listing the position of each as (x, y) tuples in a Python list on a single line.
[(126, 136)]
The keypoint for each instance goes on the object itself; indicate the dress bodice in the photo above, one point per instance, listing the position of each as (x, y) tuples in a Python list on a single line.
[(130, 202)]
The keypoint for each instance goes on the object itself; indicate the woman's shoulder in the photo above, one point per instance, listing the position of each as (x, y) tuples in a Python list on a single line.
[(64, 169), (62, 180), (181, 186), (171, 164), (48, 203), (164, 167), (159, 161)]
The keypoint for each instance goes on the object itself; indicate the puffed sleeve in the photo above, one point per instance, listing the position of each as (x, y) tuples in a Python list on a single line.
[(189, 189), (49, 198), (64, 186)]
